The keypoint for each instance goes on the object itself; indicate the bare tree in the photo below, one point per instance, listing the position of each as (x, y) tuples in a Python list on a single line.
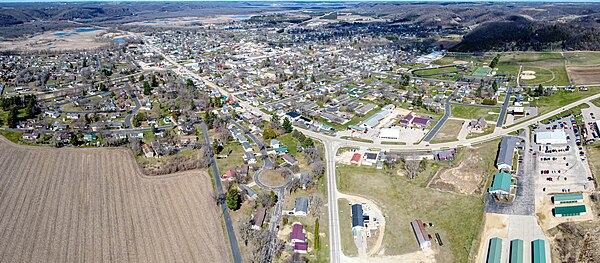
[(315, 204), (412, 168), (317, 168)]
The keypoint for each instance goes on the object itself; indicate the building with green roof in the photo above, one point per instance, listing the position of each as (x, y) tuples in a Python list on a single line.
[(576, 210), (494, 250), (516, 251), (539, 251), (567, 198), (502, 185)]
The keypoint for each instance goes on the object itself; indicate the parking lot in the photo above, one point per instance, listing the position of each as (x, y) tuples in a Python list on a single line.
[(562, 168)]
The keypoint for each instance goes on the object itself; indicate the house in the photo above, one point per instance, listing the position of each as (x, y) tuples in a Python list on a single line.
[(421, 234), (369, 158), (289, 159), (249, 158), (298, 239), (301, 206), (90, 136), (258, 218), (303, 177), (355, 158), (229, 175), (502, 186), (31, 136), (293, 116), (187, 139), (447, 155), (148, 152), (274, 143), (247, 147), (250, 193), (281, 150), (52, 114), (504, 161), (478, 125), (297, 235), (72, 116)]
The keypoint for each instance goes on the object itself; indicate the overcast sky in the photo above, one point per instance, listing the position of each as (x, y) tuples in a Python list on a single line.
[(38, 1)]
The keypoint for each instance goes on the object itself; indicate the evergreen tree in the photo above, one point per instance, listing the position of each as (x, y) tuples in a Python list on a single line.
[(147, 88), (287, 125), (12, 118), (233, 199)]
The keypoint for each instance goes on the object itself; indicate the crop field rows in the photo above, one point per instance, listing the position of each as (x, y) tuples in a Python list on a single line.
[(93, 205)]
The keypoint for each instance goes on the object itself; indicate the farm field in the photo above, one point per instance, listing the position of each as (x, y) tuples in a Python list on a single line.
[(582, 58), (93, 205), (458, 218), (584, 75)]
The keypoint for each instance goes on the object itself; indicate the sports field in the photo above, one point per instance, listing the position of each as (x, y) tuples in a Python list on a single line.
[(482, 72), (93, 205)]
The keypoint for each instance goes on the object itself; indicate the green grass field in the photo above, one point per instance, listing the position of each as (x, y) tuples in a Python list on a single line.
[(471, 113), (562, 98), (345, 215), (482, 72), (582, 58), (457, 217), (549, 67), (436, 71)]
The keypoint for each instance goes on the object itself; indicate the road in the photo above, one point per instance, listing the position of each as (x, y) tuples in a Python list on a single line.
[(504, 109), (138, 105), (235, 250), (440, 123)]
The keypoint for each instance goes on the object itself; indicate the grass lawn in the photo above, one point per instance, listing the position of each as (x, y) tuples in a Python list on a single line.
[(11, 136), (235, 151), (575, 110), (471, 113), (489, 128), (562, 98), (549, 67), (272, 177), (348, 245), (288, 141), (436, 71), (582, 58), (449, 132), (594, 160), (355, 139), (457, 217)]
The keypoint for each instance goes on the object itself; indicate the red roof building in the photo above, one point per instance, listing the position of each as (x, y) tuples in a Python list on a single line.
[(355, 158), (301, 247), (297, 236)]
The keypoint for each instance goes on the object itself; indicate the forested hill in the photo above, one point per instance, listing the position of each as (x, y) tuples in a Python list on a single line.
[(523, 35)]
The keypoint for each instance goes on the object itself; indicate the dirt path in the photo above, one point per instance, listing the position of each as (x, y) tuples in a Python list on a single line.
[(94, 205)]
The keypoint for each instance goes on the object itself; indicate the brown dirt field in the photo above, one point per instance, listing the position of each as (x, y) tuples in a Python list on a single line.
[(48, 41), (584, 75), (94, 205)]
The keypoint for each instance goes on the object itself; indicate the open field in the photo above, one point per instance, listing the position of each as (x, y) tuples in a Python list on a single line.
[(448, 132), (549, 67), (582, 58), (472, 113), (402, 200), (584, 75), (562, 98), (348, 246), (469, 173), (70, 39), (426, 72), (93, 205)]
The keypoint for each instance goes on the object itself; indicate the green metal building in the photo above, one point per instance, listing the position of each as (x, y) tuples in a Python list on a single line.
[(575, 210), (516, 251), (567, 198), (495, 250), (539, 251)]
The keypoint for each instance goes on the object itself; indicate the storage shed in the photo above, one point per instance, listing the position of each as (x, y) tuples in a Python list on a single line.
[(539, 251), (576, 210), (494, 250), (567, 198), (516, 251)]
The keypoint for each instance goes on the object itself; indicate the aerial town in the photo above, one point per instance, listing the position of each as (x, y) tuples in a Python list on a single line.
[(299, 133)]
